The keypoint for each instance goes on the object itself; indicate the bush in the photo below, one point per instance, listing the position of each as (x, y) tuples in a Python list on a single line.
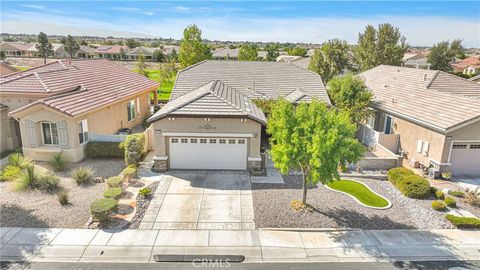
[(9, 173), (396, 174), (414, 186), (27, 179), (450, 201), (113, 193), (115, 182), (145, 192), (47, 181), (104, 150), (472, 199), (456, 193), (439, 195), (464, 222), (130, 172), (82, 175), (62, 197), (101, 209), (134, 145), (18, 160), (57, 163), (439, 205)]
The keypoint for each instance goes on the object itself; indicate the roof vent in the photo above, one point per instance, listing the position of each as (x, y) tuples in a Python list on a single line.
[(393, 100), (424, 77), (385, 85)]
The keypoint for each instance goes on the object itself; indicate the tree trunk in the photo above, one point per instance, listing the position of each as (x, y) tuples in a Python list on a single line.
[(44, 60), (304, 186)]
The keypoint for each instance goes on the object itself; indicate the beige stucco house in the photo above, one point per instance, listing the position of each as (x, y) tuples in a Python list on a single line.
[(430, 117), (59, 106), (212, 122)]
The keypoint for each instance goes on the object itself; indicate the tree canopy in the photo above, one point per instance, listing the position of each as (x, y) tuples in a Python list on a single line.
[(167, 72), (272, 52), (132, 43), (141, 65), (330, 59), (192, 48), (297, 51), (350, 94), (43, 46), (71, 46), (384, 45), (313, 139), (248, 52), (443, 54), (158, 55)]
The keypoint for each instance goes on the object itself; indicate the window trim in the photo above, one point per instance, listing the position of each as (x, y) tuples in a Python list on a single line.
[(51, 134), (85, 133), (129, 110)]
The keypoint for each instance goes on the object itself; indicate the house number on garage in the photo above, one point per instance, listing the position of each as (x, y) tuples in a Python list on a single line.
[(207, 127)]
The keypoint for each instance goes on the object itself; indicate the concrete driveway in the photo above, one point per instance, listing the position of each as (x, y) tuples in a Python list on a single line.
[(201, 200)]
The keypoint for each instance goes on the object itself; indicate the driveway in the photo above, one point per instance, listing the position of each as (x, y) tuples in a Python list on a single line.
[(201, 200)]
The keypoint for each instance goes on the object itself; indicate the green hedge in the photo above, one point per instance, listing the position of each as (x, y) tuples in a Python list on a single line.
[(101, 209), (396, 174), (450, 202), (134, 145), (113, 193), (464, 222), (414, 186), (104, 150), (115, 181), (439, 205)]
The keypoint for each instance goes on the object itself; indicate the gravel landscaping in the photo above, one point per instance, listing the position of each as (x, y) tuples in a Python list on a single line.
[(40, 209), (142, 206), (334, 210)]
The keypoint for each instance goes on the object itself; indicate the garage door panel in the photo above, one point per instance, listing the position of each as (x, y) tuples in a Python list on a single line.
[(208, 153), (465, 159)]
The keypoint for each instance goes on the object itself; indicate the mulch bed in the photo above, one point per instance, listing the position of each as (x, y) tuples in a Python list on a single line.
[(142, 206)]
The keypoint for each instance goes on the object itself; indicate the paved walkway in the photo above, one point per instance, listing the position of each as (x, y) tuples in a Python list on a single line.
[(256, 245)]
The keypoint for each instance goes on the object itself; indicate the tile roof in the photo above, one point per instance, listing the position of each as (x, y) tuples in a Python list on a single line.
[(303, 62), (78, 86), (111, 49), (86, 49), (20, 46), (212, 99), (142, 50), (259, 79), (472, 61), (225, 52), (423, 96)]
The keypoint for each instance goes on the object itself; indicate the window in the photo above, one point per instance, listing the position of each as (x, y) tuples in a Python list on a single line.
[(371, 121), (459, 146), (174, 140), (82, 131), (193, 140), (203, 140), (241, 141), (231, 141), (50, 133), (474, 146), (222, 141), (131, 110), (213, 140), (388, 125), (183, 140)]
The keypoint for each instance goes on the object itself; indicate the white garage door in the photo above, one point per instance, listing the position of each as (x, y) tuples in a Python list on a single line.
[(208, 153), (465, 159)]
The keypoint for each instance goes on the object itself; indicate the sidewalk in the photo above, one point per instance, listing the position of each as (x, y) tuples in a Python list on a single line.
[(80, 245)]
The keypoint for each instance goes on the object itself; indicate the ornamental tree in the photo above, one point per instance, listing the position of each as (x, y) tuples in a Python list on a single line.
[(248, 52), (331, 59), (44, 47), (443, 54), (311, 138), (71, 46), (192, 48)]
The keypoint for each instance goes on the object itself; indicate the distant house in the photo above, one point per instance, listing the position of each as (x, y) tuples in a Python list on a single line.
[(58, 51), (468, 66), (225, 54), (85, 52), (110, 51), (429, 117), (169, 49), (415, 60), (148, 52), (287, 58), (303, 62), (15, 48)]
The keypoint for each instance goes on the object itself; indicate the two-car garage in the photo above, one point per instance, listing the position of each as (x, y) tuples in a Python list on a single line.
[(465, 158)]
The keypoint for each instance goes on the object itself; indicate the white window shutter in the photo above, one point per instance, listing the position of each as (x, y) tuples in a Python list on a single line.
[(138, 106), (62, 134), (419, 146), (31, 134), (426, 146)]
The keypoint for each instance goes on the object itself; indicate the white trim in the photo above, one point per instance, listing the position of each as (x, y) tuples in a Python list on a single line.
[(254, 159), (160, 158), (385, 124), (458, 141), (51, 133), (199, 134)]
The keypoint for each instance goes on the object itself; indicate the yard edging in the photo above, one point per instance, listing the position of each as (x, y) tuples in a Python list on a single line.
[(360, 203)]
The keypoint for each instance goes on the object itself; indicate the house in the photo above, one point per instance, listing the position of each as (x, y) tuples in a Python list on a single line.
[(85, 52), (288, 58), (169, 49), (15, 48), (431, 118), (58, 107), (212, 122), (416, 60), (147, 52), (111, 51), (58, 51), (468, 66), (225, 54), (303, 62)]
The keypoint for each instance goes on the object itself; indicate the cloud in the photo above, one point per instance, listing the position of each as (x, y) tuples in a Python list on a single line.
[(34, 6), (182, 9), (148, 13), (127, 9)]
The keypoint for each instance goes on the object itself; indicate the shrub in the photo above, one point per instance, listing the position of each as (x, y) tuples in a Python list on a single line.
[(439, 195), (472, 199), (47, 181), (82, 175), (114, 182), (450, 201), (456, 193), (9, 173), (134, 145), (27, 179), (62, 197), (113, 193), (101, 209), (433, 190), (396, 174), (464, 222), (57, 163), (104, 150), (439, 205), (18, 160), (145, 192), (130, 172), (414, 186)]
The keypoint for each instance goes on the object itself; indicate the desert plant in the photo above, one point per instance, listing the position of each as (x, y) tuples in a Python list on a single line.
[(57, 163), (115, 181), (130, 172), (62, 197), (101, 209), (396, 174), (464, 222), (439, 195), (82, 175), (47, 181), (113, 193), (439, 205), (18, 160), (450, 201), (134, 144), (27, 179), (472, 199), (9, 173), (414, 186), (145, 192), (456, 193)]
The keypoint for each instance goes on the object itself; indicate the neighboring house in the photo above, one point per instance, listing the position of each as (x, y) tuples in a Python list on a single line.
[(212, 122), (59, 106), (85, 52), (475, 78), (416, 60), (225, 54), (15, 48), (468, 66), (6, 69), (168, 49), (111, 51), (58, 51), (430, 117), (303, 62), (288, 58), (145, 51)]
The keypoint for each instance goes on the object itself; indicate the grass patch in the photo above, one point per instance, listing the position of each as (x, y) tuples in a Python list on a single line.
[(359, 191), (165, 89)]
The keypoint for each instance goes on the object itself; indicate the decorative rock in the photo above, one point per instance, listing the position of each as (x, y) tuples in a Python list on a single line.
[(98, 179)]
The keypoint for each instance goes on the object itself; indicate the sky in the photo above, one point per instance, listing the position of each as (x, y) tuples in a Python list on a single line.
[(423, 23)]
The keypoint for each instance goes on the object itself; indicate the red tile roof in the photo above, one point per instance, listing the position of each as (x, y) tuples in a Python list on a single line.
[(111, 49), (77, 87), (472, 61)]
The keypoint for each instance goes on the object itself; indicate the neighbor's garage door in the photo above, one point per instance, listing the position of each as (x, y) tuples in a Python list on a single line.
[(208, 153), (465, 159)]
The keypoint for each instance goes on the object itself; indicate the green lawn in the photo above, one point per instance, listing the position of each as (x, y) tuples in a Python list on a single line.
[(165, 90), (21, 68), (359, 191)]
